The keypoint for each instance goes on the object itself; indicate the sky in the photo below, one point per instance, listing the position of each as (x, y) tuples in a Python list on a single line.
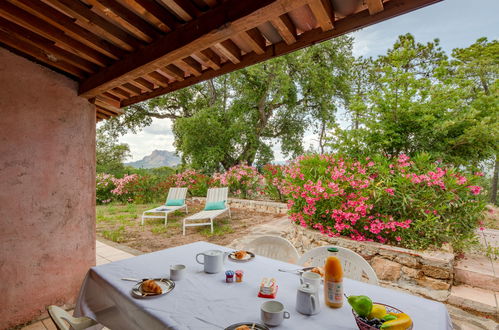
[(457, 23)]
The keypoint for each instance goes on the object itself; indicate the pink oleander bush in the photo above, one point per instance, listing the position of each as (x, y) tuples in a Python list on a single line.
[(415, 203), (243, 181), (124, 188), (103, 186), (197, 183), (274, 176)]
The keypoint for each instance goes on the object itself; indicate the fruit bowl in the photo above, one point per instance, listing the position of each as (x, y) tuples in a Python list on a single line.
[(365, 326)]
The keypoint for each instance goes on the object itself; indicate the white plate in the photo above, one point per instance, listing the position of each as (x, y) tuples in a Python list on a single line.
[(165, 284), (249, 256)]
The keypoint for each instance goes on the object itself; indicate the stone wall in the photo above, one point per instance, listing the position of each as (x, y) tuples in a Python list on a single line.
[(429, 274), (47, 189), (254, 205)]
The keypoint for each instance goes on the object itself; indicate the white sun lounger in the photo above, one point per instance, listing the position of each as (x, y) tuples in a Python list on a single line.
[(173, 193), (213, 195)]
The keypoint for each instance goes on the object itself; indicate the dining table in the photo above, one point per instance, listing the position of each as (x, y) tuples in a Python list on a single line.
[(205, 301)]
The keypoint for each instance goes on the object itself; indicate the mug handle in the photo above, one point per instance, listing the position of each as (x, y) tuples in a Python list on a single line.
[(199, 262), (286, 315), (314, 306)]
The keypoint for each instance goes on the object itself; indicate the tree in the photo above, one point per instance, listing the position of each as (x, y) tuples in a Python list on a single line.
[(477, 72), (110, 155), (236, 118), (413, 99)]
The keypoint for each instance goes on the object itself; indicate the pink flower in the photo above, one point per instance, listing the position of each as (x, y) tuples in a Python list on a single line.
[(390, 191), (398, 238), (475, 190)]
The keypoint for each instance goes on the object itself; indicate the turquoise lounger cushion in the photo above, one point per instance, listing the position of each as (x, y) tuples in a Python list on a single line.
[(175, 202), (215, 206)]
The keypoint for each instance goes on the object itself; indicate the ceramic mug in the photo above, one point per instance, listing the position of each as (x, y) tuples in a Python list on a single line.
[(311, 278), (273, 313), (177, 272), (213, 260)]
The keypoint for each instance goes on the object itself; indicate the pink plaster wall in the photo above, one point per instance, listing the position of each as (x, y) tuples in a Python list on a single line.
[(47, 189)]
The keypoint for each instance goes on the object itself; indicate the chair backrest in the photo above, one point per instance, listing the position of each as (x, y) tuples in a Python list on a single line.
[(354, 266), (177, 193), (59, 316), (274, 247), (217, 194)]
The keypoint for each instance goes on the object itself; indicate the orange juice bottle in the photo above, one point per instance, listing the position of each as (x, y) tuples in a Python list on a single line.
[(333, 280)]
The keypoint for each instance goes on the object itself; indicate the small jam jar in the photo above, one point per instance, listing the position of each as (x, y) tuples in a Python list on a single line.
[(239, 275), (229, 276)]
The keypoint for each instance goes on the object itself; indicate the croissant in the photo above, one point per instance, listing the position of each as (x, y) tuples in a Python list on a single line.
[(150, 286), (243, 327), (240, 254)]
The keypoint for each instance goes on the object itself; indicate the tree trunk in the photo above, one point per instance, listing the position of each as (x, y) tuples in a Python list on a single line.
[(495, 178)]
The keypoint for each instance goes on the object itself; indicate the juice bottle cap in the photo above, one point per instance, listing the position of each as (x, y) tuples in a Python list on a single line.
[(333, 249)]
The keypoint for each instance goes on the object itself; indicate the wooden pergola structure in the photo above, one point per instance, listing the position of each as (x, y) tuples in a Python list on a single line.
[(126, 51)]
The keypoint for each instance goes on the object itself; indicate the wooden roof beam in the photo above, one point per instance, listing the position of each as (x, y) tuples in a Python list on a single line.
[(374, 6), (51, 32), (187, 39), (254, 39), (63, 22), (40, 55), (128, 19), (144, 84), (230, 50), (131, 88), (285, 28), (209, 58), (53, 52), (190, 65), (161, 14), (184, 9), (351, 23), (158, 78), (97, 24), (323, 12), (107, 104), (174, 72)]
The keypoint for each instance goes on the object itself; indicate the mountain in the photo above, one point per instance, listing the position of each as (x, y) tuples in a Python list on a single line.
[(158, 158)]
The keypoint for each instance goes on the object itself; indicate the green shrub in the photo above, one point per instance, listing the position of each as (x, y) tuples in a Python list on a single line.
[(415, 203)]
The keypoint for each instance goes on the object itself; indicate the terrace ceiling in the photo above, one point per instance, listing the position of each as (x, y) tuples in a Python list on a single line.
[(126, 51)]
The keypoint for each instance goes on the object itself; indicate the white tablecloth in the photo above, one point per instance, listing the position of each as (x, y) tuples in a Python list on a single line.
[(205, 301)]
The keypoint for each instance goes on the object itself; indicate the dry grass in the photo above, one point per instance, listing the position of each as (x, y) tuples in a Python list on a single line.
[(121, 223)]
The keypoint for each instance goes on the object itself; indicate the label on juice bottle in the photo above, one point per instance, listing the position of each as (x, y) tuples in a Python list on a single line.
[(335, 292)]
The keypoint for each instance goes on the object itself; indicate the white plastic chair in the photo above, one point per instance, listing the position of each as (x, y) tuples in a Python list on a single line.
[(354, 266), (213, 195), (274, 247), (173, 193), (59, 316)]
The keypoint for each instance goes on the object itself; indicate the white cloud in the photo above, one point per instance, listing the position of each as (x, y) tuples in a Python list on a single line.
[(157, 136)]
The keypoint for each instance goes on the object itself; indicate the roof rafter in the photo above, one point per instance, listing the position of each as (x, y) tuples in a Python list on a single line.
[(187, 38)]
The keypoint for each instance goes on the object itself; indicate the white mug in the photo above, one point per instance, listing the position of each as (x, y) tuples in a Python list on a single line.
[(177, 272), (213, 260), (273, 313), (311, 278), (307, 299)]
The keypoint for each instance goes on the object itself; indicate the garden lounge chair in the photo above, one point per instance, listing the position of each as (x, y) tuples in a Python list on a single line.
[(274, 247), (175, 201), (354, 266), (216, 204)]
